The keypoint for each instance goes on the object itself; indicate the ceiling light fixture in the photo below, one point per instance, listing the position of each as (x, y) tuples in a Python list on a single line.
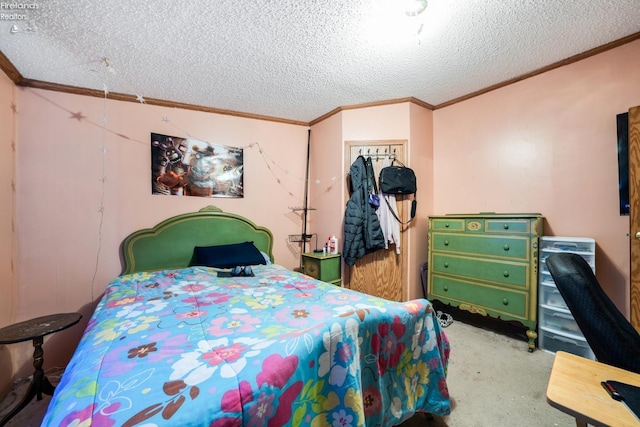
[(414, 7)]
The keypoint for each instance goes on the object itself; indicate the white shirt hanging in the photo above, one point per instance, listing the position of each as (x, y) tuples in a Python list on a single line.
[(390, 226)]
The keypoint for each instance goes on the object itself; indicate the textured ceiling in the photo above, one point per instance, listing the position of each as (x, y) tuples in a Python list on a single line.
[(300, 59)]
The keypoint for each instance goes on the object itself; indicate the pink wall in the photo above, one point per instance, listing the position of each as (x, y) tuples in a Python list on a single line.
[(327, 181), (403, 121), (421, 160), (7, 221), (546, 144), (65, 256), (386, 122)]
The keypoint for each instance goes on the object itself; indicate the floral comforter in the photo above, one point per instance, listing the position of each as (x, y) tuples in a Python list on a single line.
[(187, 348)]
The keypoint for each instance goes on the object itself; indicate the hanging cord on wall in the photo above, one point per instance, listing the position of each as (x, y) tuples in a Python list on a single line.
[(103, 180), (306, 200)]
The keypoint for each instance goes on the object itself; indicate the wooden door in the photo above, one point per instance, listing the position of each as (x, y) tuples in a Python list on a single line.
[(380, 273), (634, 212)]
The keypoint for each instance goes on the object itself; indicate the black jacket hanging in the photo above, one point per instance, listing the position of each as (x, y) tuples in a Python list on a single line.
[(362, 232)]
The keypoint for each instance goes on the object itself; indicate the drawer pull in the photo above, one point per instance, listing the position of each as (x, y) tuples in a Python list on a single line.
[(446, 265), (311, 268), (446, 225), (446, 243), (562, 316), (506, 226), (445, 288), (563, 339), (506, 247), (506, 273), (505, 301)]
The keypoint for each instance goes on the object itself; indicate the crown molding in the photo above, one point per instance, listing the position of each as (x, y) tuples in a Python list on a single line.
[(15, 76), (38, 84), (372, 104), (8, 68), (562, 63)]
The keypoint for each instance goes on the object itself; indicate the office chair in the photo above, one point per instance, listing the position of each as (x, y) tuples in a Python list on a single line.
[(612, 338)]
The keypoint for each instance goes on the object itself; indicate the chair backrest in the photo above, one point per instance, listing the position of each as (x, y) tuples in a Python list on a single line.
[(612, 338)]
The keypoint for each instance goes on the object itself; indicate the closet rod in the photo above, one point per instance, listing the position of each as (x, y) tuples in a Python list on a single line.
[(378, 156)]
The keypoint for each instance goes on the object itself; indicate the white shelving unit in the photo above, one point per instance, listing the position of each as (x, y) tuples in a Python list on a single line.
[(557, 328)]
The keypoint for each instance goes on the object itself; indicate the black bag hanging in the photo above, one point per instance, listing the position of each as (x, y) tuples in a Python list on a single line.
[(399, 180)]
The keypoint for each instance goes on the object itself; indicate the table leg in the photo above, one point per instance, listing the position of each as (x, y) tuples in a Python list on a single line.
[(40, 384), (25, 400), (38, 360)]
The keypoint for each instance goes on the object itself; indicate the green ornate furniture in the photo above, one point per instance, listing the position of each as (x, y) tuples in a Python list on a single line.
[(487, 264)]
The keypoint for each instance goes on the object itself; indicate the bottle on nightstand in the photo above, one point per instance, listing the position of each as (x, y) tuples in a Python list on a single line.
[(333, 245)]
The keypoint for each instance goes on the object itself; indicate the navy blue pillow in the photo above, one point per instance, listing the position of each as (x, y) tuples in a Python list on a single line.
[(228, 256)]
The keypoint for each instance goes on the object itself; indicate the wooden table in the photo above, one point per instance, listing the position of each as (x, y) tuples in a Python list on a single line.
[(574, 387), (36, 329)]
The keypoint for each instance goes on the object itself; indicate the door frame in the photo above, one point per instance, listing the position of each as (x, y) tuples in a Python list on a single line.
[(402, 204), (634, 215)]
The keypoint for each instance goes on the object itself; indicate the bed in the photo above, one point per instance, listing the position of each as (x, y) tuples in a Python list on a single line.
[(172, 342)]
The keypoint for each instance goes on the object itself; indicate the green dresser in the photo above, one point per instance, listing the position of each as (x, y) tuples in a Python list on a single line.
[(487, 264)]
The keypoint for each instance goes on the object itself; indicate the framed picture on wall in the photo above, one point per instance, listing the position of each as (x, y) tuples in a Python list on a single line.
[(188, 167)]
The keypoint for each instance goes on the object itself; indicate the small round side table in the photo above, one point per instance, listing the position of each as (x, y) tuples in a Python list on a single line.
[(36, 329)]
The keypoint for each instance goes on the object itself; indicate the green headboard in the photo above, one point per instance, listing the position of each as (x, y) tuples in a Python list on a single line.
[(170, 243)]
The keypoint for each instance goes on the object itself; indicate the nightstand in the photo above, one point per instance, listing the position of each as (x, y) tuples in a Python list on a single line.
[(322, 267), (36, 329)]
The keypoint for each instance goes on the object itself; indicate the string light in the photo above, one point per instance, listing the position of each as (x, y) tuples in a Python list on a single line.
[(274, 168), (104, 119), (140, 98)]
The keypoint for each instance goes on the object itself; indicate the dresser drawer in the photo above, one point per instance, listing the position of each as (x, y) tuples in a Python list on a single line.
[(493, 299), (515, 274), (447, 224), (498, 246), (508, 226)]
